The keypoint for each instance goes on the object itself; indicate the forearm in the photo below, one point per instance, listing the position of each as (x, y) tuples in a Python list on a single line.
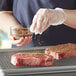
[(7, 20), (71, 18)]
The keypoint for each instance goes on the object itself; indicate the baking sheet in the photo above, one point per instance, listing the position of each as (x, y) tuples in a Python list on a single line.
[(6, 68)]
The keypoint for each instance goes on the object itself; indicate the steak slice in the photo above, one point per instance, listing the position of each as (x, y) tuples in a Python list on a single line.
[(62, 51), (31, 59)]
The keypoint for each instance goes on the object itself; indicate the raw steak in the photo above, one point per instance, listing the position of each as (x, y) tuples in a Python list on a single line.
[(62, 51), (31, 59)]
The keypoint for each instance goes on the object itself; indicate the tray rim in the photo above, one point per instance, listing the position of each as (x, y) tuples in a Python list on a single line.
[(19, 49), (40, 70)]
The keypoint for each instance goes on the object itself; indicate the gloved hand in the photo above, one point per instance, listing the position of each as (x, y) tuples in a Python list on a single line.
[(20, 36), (46, 17)]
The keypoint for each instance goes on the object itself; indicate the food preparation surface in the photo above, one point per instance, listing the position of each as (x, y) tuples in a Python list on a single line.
[(6, 68)]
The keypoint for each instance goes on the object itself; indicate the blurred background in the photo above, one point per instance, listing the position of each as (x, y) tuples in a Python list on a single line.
[(4, 41)]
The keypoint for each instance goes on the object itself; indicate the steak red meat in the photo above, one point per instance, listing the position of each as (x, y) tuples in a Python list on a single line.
[(31, 59), (62, 51)]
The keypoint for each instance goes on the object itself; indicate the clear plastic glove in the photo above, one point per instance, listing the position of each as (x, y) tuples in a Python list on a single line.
[(46, 17), (18, 37)]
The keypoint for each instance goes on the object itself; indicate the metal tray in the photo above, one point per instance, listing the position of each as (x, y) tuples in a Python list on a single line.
[(6, 68)]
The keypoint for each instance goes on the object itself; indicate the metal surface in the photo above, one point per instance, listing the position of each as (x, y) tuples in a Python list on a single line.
[(60, 66)]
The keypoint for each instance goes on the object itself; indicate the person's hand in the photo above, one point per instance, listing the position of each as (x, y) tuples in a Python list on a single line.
[(20, 42), (46, 17), (19, 35)]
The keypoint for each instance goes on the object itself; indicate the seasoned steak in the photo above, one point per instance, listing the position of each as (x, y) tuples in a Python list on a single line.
[(18, 32), (62, 51), (31, 59)]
